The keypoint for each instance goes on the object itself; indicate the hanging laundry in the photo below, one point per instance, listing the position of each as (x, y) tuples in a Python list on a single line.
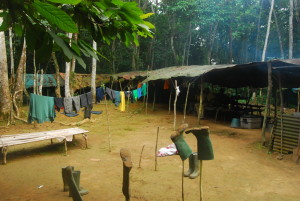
[(117, 99), (59, 103), (177, 91), (88, 111), (76, 102), (167, 84), (122, 104), (139, 85), (109, 92), (68, 103), (83, 100), (135, 94), (99, 94), (41, 109), (144, 89), (139, 91), (89, 97)]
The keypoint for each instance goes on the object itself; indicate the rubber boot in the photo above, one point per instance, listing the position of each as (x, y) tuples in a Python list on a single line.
[(64, 177), (76, 176), (191, 166), (196, 171), (72, 185)]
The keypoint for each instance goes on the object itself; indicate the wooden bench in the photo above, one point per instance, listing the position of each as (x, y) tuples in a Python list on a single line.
[(61, 135)]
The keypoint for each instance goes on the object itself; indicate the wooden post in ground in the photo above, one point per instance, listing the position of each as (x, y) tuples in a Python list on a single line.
[(200, 179), (141, 156), (66, 148), (263, 133), (186, 99), (156, 149), (201, 100), (298, 109), (108, 128), (175, 101), (182, 182), (4, 152), (170, 100), (281, 118), (154, 97)]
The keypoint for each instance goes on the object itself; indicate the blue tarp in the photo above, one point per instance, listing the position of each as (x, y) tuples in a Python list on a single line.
[(48, 80)]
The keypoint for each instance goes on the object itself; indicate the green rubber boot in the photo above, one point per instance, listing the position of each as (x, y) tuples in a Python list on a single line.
[(195, 172), (76, 176), (72, 185), (182, 147), (204, 145), (64, 177), (191, 166)]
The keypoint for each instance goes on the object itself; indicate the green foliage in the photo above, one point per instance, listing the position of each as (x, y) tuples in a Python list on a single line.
[(56, 17)]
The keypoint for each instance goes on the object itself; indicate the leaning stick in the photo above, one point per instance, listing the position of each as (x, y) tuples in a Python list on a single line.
[(186, 99), (156, 149), (108, 129), (170, 101), (182, 184), (154, 97), (141, 156), (175, 104), (200, 179)]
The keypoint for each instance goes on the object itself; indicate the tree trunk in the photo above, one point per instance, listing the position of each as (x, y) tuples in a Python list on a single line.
[(230, 44), (189, 46), (72, 68), (41, 80), (67, 75), (57, 76), (34, 74), (263, 57), (291, 27), (12, 63), (258, 30), (211, 43), (93, 74), (5, 99), (19, 83), (279, 35)]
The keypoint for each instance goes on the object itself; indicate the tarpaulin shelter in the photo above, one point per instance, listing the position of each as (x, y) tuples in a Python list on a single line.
[(48, 80)]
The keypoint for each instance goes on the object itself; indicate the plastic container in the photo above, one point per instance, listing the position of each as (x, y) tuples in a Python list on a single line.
[(250, 122), (235, 123)]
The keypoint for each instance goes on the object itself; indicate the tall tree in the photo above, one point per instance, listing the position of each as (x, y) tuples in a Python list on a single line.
[(263, 57), (291, 28), (5, 99), (93, 74)]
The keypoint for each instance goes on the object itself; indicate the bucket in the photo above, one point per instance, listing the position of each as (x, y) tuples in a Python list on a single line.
[(235, 123)]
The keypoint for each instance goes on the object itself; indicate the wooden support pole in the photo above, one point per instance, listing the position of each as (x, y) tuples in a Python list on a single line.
[(281, 114), (170, 100), (156, 149), (154, 97), (141, 156), (4, 152), (85, 139), (298, 109), (147, 98), (200, 179), (108, 128), (201, 100), (263, 134), (182, 181), (175, 101), (51, 141), (66, 148), (186, 99)]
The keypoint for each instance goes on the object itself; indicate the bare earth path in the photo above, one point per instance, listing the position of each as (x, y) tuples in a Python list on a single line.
[(241, 171)]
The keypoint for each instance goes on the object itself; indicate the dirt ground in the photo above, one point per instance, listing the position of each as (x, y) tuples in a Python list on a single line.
[(241, 170)]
